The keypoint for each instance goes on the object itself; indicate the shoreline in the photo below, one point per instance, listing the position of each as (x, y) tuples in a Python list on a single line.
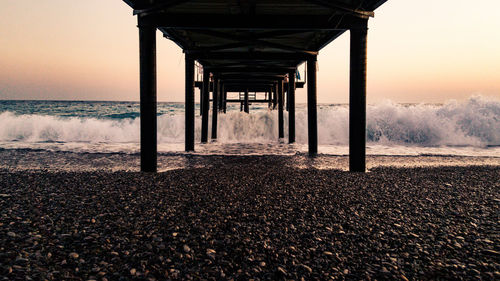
[(41, 160)]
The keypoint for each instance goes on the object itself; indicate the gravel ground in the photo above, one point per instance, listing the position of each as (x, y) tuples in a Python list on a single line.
[(251, 218)]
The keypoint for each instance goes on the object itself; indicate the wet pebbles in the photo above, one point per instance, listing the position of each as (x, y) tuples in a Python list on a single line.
[(251, 218)]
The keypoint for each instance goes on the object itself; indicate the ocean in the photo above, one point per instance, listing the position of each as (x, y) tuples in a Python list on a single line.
[(110, 129)]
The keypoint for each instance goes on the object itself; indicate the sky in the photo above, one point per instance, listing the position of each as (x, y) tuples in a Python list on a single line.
[(418, 51)]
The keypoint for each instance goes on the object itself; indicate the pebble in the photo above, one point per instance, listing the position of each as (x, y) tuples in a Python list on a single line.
[(176, 223)]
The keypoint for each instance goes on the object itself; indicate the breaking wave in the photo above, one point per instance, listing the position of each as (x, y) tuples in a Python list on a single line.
[(474, 122)]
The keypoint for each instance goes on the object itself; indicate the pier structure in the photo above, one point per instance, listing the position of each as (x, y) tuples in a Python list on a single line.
[(252, 46)]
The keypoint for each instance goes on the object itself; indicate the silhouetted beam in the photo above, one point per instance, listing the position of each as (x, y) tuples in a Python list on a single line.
[(342, 7), (248, 81), (281, 129), (250, 22), (250, 56), (189, 132), (250, 76), (215, 103), (205, 106), (357, 100), (251, 101), (291, 106), (245, 41), (263, 69), (312, 115), (157, 8), (147, 49)]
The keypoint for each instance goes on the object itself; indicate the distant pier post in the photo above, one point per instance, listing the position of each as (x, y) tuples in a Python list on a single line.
[(219, 96), (275, 95), (189, 99), (270, 100), (147, 50), (312, 114), (357, 98), (215, 111), (224, 92), (291, 107), (205, 105), (281, 129), (247, 109)]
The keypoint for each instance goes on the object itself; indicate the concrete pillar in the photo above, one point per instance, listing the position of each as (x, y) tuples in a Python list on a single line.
[(281, 129), (206, 103), (215, 111), (291, 107), (147, 50), (357, 98), (189, 105), (312, 114)]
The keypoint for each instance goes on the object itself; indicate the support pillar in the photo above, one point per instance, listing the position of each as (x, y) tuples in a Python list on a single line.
[(270, 100), (219, 97), (189, 99), (281, 129), (291, 107), (247, 109), (201, 101), (275, 95), (312, 114), (205, 104), (357, 98), (225, 98), (215, 111), (147, 50)]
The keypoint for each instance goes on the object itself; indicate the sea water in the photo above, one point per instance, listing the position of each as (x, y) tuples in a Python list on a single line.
[(461, 128)]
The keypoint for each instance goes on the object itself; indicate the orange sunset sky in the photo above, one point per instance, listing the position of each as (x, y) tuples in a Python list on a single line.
[(418, 51)]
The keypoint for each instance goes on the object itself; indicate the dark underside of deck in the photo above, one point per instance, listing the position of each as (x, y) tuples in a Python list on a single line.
[(242, 40), (253, 46)]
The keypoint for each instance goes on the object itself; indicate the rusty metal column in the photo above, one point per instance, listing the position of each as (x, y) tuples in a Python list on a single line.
[(291, 107), (281, 129), (247, 109), (189, 131), (215, 111), (205, 105), (147, 50), (312, 114), (357, 98)]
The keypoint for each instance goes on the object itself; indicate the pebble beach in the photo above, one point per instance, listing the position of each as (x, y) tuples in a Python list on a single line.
[(247, 218)]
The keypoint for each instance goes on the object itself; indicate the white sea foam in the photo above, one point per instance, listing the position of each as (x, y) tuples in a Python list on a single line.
[(474, 123)]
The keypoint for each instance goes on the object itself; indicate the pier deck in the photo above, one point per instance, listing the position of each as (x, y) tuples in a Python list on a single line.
[(256, 46)]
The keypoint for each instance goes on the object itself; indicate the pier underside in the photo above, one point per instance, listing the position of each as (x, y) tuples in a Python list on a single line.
[(252, 46)]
